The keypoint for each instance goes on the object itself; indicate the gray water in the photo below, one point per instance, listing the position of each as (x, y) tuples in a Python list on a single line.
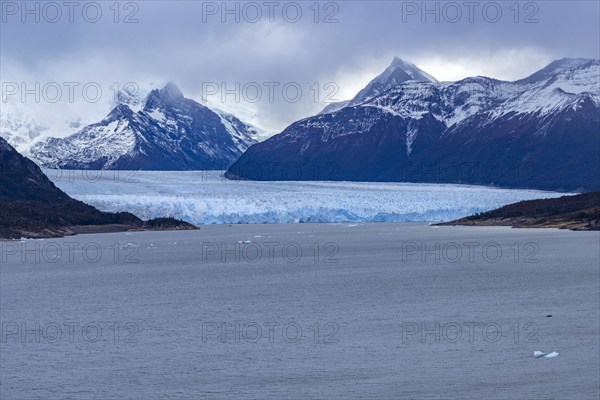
[(344, 311)]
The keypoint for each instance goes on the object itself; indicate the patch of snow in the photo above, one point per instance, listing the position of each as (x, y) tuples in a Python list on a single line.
[(157, 115)]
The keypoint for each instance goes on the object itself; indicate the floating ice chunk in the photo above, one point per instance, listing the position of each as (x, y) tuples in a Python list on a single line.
[(538, 354), (244, 241)]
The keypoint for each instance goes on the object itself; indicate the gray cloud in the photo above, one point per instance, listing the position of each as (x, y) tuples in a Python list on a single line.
[(171, 41)]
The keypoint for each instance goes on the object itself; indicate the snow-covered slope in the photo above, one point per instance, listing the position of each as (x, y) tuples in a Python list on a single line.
[(164, 131), (565, 88), (554, 68), (551, 121), (333, 107), (243, 133)]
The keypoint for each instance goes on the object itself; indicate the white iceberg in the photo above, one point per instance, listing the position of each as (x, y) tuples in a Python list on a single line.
[(538, 354)]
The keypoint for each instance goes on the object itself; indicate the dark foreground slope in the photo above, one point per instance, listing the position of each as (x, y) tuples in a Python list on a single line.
[(32, 206), (580, 212)]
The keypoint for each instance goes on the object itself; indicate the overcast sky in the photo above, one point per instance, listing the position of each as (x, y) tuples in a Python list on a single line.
[(346, 43)]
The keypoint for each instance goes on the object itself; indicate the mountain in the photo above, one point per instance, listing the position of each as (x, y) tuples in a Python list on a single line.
[(399, 71), (165, 131), (32, 206), (542, 132)]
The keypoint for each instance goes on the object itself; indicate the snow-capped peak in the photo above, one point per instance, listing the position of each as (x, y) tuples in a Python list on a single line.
[(554, 68), (170, 132), (169, 94), (398, 72), (411, 69)]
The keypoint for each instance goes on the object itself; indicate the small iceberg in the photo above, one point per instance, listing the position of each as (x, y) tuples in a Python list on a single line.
[(538, 354)]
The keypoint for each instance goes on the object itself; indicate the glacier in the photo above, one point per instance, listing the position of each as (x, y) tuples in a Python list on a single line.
[(206, 197)]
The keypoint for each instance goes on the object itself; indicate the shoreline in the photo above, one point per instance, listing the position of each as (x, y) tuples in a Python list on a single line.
[(118, 228), (576, 213), (162, 225), (574, 226)]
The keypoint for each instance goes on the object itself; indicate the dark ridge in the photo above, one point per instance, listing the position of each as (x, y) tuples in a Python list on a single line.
[(579, 212), (32, 206)]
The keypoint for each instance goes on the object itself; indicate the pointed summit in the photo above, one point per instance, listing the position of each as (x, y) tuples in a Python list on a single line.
[(170, 132), (398, 72), (168, 95), (398, 62), (171, 91), (410, 69)]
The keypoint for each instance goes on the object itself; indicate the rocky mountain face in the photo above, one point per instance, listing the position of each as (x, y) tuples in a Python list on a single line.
[(164, 131), (540, 132)]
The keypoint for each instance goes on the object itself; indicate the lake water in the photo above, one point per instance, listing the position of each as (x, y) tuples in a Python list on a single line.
[(304, 311)]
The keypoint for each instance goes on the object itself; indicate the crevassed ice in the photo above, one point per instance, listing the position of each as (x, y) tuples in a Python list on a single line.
[(205, 197)]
